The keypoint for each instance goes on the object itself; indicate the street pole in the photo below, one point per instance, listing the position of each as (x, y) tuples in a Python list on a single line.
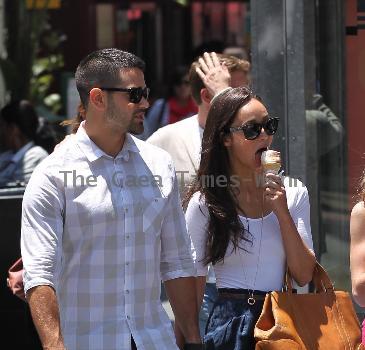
[(280, 54)]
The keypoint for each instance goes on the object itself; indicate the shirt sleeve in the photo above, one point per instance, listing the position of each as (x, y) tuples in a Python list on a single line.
[(31, 159), (176, 259), (301, 216), (197, 220), (41, 231)]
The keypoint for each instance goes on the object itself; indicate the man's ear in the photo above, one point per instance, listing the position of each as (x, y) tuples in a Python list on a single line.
[(205, 95), (97, 98)]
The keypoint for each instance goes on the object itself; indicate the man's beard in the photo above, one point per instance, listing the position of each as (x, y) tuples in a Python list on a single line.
[(136, 128), (114, 117)]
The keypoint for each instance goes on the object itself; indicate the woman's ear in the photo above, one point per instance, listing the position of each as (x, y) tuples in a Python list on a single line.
[(226, 139)]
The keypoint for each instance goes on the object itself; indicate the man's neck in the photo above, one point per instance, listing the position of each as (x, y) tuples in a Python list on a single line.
[(202, 115), (109, 141)]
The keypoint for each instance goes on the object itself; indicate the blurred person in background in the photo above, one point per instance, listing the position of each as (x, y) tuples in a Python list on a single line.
[(183, 139), (19, 125), (178, 105)]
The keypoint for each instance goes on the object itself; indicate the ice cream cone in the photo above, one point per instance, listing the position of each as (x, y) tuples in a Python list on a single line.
[(270, 161)]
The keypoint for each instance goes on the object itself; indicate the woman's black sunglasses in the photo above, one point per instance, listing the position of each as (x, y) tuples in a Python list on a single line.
[(135, 93), (253, 130)]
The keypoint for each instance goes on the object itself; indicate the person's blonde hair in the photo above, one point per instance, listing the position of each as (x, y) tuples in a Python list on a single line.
[(77, 120)]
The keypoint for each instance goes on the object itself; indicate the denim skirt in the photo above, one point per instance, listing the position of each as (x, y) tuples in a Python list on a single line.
[(232, 321)]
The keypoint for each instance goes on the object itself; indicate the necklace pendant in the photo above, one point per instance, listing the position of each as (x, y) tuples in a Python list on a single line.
[(251, 300)]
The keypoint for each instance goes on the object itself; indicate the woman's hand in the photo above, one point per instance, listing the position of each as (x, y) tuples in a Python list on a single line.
[(275, 195)]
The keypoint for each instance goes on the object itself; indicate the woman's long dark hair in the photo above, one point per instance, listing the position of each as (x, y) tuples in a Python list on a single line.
[(224, 224)]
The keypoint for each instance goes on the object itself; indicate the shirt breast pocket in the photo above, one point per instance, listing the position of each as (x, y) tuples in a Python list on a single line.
[(153, 216)]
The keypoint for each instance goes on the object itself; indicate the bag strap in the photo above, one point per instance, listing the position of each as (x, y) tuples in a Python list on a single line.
[(320, 279)]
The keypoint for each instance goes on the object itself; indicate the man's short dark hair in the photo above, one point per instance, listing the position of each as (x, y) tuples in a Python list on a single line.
[(102, 68)]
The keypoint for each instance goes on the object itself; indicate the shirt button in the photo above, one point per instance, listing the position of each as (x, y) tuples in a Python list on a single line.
[(127, 263), (128, 317), (126, 210), (127, 291)]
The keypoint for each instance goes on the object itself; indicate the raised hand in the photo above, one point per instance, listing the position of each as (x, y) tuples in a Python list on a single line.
[(214, 74)]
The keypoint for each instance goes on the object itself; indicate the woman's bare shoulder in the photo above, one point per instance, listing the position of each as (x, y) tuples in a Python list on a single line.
[(358, 211)]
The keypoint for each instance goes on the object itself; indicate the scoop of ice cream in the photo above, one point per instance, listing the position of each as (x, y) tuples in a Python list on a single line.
[(271, 161)]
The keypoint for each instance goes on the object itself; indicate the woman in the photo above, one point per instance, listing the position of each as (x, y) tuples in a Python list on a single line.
[(249, 232), (357, 250)]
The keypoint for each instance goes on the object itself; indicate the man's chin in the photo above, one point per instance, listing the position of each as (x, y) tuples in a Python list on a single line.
[(136, 129)]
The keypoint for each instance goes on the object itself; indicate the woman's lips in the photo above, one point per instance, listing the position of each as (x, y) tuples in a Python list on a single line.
[(258, 156)]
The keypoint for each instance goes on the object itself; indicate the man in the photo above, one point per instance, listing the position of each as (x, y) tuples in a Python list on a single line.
[(183, 139), (102, 223), (208, 76)]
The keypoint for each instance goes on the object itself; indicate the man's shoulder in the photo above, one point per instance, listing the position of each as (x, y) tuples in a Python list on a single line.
[(150, 150), (35, 152), (65, 154), (175, 130)]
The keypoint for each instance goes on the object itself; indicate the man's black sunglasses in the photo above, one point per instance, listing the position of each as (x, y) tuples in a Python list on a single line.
[(252, 130), (135, 93)]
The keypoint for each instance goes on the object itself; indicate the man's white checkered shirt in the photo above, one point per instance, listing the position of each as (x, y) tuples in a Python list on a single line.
[(103, 231)]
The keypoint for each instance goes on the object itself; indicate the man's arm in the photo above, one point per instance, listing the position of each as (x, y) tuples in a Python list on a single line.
[(46, 317), (177, 266), (183, 299), (41, 237), (200, 288)]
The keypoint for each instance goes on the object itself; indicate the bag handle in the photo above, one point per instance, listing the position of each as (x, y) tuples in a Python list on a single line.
[(320, 279)]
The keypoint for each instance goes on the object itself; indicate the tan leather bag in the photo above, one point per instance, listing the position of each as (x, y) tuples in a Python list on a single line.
[(324, 320)]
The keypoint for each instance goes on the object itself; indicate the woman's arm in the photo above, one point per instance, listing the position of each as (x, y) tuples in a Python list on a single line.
[(300, 259), (357, 253)]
